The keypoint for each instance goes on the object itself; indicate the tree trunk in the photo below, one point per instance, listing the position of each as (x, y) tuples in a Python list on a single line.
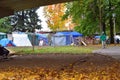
[(104, 27), (111, 30), (100, 16), (111, 24)]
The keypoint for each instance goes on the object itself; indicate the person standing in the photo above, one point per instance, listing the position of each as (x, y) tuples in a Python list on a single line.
[(103, 40)]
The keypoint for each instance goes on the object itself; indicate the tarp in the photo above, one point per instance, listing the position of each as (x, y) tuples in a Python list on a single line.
[(21, 39), (76, 34), (6, 42), (1, 33), (97, 37)]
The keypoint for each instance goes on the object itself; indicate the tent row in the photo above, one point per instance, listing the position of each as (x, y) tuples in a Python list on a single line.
[(38, 39), (22, 39)]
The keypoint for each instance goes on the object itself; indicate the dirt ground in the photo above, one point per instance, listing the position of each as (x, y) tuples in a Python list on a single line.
[(60, 67), (58, 61)]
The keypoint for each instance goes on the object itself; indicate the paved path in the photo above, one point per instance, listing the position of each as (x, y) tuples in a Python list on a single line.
[(111, 51)]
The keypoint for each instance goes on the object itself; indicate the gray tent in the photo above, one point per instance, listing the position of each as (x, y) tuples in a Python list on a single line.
[(3, 35)]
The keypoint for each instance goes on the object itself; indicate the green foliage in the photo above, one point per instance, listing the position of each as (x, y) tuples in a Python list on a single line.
[(117, 16), (5, 25), (87, 15), (84, 15)]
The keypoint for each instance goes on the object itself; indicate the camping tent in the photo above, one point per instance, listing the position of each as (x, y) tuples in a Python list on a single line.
[(42, 37), (37, 38), (6, 42), (3, 35), (21, 39), (34, 41), (59, 39), (65, 38)]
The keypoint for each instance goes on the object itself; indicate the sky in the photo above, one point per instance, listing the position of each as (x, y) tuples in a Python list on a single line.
[(41, 16)]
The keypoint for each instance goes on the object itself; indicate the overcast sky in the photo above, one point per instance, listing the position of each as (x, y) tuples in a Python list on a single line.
[(41, 16)]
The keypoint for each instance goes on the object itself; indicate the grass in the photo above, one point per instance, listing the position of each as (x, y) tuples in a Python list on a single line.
[(60, 49)]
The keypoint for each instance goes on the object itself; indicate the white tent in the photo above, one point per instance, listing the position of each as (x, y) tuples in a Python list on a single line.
[(21, 39)]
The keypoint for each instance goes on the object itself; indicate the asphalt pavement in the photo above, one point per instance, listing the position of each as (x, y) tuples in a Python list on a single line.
[(113, 51)]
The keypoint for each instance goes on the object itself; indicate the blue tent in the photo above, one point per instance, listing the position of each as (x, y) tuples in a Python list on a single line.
[(59, 39), (6, 42), (65, 38), (70, 35), (42, 37)]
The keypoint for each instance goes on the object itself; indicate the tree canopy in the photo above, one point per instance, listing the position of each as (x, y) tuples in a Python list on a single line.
[(54, 14), (5, 25), (94, 16), (26, 20)]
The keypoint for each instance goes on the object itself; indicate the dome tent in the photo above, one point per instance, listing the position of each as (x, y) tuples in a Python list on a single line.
[(6, 42)]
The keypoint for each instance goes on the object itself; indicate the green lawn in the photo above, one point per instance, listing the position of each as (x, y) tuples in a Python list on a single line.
[(61, 49)]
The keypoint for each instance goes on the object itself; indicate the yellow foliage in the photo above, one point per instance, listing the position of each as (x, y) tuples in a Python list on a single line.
[(54, 15), (91, 73)]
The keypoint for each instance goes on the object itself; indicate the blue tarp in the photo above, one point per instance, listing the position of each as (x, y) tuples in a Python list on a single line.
[(97, 37), (73, 34), (6, 42), (76, 34)]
